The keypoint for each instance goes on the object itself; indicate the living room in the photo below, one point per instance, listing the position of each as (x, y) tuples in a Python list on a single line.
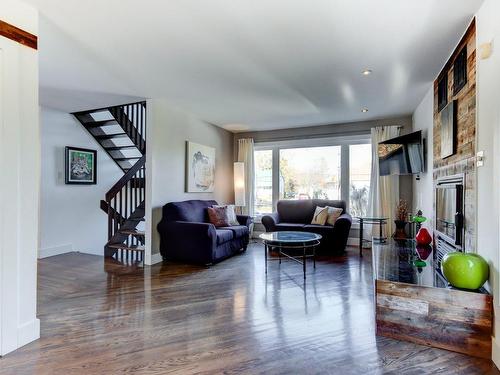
[(280, 188)]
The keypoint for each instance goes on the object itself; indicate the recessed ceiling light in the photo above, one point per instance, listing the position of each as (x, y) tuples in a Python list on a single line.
[(364, 110), (366, 72)]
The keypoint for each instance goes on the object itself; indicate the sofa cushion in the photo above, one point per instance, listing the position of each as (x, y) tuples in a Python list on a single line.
[(230, 214), (329, 203), (223, 235), (289, 226), (323, 230), (320, 216), (295, 211), (217, 216), (193, 210), (333, 214), (238, 230), (302, 211)]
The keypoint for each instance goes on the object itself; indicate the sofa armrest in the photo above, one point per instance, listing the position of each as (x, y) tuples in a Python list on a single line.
[(187, 241), (344, 220), (244, 220), (341, 231), (270, 221)]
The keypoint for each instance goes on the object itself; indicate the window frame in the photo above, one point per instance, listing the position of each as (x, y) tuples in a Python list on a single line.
[(344, 142)]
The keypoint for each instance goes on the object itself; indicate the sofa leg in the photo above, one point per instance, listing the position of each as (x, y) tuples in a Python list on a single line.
[(208, 265)]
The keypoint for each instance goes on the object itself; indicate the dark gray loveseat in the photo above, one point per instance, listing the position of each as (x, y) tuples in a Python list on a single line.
[(296, 215), (187, 236)]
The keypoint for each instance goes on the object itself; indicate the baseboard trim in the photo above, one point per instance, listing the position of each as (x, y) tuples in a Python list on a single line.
[(352, 241), (28, 332), (495, 352), (156, 258), (55, 250), (99, 252)]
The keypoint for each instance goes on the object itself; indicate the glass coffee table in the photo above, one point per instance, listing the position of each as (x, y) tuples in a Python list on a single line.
[(287, 241)]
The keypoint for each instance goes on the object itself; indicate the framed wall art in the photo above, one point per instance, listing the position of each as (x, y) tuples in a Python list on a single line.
[(80, 166), (200, 168)]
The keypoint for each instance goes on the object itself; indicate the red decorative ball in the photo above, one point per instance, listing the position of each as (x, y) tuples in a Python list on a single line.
[(423, 237), (424, 251)]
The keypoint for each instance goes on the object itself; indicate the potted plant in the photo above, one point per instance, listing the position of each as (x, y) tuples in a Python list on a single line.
[(401, 216)]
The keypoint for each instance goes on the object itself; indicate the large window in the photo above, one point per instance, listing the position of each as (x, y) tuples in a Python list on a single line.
[(263, 160), (310, 173), (322, 169), (360, 163)]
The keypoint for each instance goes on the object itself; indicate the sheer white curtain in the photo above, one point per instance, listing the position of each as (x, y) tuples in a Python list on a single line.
[(245, 154), (384, 190)]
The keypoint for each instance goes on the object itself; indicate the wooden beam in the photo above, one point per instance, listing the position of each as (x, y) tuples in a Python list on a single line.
[(18, 35)]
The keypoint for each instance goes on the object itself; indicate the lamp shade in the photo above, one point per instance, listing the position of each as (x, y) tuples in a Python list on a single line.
[(239, 184)]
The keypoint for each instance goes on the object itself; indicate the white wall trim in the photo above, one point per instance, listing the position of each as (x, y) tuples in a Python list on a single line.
[(495, 352), (28, 332), (353, 241), (55, 250), (148, 217), (156, 258), (99, 252), (20, 182)]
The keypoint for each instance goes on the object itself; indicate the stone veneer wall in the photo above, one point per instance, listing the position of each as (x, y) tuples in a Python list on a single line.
[(463, 161)]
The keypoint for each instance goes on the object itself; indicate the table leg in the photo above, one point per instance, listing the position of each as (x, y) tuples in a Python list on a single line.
[(265, 252), (314, 256), (360, 237), (380, 230), (279, 254), (304, 260)]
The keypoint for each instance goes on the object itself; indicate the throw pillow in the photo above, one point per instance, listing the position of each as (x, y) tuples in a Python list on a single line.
[(230, 214), (333, 214), (320, 216), (217, 216)]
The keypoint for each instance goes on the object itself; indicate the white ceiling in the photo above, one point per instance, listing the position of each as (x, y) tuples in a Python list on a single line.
[(249, 64)]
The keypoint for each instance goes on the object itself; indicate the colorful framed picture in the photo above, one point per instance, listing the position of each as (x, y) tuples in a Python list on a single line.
[(81, 166)]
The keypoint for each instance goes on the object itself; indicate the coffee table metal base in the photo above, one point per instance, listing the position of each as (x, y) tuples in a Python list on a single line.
[(301, 259)]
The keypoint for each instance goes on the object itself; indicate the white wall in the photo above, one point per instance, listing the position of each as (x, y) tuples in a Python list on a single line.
[(423, 192), (71, 219), (168, 130), (19, 181), (488, 132)]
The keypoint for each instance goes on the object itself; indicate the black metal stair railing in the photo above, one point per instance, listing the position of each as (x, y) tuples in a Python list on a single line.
[(121, 131)]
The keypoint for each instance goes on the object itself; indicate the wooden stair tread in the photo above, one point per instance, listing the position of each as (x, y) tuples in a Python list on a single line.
[(118, 148), (133, 232), (122, 246), (98, 124), (110, 136), (137, 218), (130, 158)]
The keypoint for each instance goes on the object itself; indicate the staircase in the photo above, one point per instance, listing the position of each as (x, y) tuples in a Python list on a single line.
[(121, 132)]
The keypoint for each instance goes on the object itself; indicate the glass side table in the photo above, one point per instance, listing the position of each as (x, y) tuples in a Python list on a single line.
[(380, 221)]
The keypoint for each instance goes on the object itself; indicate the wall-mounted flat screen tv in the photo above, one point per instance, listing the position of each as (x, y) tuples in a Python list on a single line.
[(402, 155)]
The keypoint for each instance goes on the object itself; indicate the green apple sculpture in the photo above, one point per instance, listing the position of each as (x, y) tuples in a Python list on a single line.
[(465, 270)]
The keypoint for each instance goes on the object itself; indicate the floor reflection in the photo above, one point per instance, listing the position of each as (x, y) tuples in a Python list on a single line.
[(230, 318)]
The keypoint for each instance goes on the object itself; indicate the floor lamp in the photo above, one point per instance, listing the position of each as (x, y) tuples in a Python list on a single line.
[(239, 185)]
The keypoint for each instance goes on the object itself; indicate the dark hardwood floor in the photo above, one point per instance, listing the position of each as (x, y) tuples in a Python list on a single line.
[(97, 318)]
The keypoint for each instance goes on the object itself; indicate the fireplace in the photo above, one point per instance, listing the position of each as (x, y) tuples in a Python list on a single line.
[(449, 222), (449, 215)]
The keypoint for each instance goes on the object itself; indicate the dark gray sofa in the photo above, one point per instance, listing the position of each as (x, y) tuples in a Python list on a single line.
[(187, 236), (296, 215)]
